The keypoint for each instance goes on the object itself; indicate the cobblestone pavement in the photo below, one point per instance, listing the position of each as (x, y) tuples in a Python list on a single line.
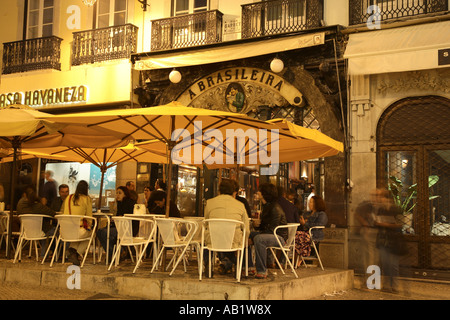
[(365, 294), (10, 291)]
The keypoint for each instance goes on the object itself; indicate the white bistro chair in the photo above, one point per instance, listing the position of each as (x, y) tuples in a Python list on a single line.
[(314, 246), (4, 224), (107, 217), (69, 231), (30, 230), (197, 238), (169, 229), (288, 248), (125, 238), (221, 234)]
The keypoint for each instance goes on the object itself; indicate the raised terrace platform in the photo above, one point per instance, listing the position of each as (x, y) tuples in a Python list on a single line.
[(312, 281)]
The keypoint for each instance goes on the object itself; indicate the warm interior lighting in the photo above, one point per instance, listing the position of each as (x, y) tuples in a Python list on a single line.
[(404, 163)]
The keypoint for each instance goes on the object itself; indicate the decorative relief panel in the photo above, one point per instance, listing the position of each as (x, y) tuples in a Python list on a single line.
[(241, 90), (432, 80)]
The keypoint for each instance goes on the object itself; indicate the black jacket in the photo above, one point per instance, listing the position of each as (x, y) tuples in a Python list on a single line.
[(273, 216), (126, 206)]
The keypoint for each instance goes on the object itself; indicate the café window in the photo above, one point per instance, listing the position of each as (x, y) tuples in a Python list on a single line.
[(189, 6), (111, 13), (40, 18)]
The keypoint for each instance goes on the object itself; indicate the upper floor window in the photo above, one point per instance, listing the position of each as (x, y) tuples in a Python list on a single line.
[(190, 6), (40, 18), (111, 13)]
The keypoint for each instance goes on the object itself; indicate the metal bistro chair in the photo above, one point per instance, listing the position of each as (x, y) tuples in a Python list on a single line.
[(125, 238), (107, 216), (69, 231), (31, 230), (221, 232), (314, 246), (288, 247), (169, 229), (4, 224), (197, 238)]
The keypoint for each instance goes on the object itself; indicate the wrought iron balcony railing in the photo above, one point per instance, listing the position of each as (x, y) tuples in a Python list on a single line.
[(187, 30), (280, 16), (32, 54), (117, 42), (362, 10)]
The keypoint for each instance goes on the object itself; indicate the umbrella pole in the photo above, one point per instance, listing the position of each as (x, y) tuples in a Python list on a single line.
[(99, 206), (170, 146), (103, 170), (169, 191), (13, 186)]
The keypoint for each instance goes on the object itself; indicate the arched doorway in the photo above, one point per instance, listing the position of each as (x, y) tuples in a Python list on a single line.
[(413, 158), (264, 95)]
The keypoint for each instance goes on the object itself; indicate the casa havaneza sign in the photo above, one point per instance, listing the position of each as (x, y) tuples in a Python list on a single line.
[(44, 97)]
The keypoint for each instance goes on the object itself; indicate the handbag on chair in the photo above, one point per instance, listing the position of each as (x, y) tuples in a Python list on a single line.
[(139, 208)]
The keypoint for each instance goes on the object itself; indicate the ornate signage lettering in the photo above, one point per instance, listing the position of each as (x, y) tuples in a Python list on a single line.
[(240, 90), (44, 97)]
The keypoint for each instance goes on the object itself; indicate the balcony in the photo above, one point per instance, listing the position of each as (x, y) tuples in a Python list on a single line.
[(117, 42), (280, 16), (32, 54), (392, 9), (187, 30)]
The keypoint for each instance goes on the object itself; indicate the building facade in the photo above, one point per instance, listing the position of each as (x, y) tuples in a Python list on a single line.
[(366, 73), (399, 110)]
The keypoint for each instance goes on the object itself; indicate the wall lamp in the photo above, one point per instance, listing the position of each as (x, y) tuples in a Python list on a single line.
[(144, 4), (175, 76), (276, 65)]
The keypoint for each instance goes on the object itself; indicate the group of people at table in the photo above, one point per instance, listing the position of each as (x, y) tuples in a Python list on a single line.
[(276, 211)]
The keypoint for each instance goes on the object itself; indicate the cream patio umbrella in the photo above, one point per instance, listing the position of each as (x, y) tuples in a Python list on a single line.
[(167, 124), (22, 126), (298, 143), (103, 158), (292, 143)]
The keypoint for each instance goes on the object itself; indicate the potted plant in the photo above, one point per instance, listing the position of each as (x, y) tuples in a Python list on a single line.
[(407, 203)]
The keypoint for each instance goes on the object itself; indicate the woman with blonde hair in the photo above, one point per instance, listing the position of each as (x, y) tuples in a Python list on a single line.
[(80, 204)]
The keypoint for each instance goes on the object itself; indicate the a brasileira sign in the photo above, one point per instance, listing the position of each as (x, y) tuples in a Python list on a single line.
[(237, 76)]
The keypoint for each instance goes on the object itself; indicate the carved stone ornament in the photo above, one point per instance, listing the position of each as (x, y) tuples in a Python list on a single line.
[(254, 96), (434, 80), (240, 90)]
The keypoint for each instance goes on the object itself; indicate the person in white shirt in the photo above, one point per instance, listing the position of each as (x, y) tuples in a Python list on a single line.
[(312, 194)]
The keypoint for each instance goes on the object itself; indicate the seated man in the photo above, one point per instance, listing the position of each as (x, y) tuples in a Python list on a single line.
[(272, 216), (225, 206), (57, 203)]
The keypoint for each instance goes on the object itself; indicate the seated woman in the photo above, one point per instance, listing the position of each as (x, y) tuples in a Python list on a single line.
[(272, 216), (159, 198), (79, 203), (125, 205), (30, 203), (318, 217)]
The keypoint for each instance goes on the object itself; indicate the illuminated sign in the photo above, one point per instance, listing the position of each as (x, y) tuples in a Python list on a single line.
[(240, 89), (44, 97)]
